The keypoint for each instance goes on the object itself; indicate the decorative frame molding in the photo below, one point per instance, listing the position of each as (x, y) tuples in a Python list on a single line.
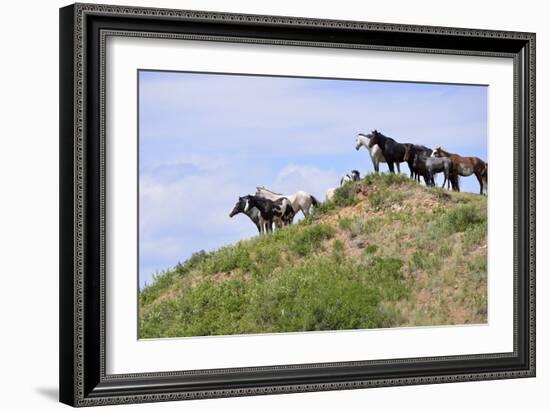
[(83, 32)]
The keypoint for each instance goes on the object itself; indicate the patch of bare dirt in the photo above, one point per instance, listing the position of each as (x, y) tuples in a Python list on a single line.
[(229, 275)]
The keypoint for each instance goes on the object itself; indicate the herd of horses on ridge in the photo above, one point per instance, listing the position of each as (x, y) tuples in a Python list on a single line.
[(267, 209)]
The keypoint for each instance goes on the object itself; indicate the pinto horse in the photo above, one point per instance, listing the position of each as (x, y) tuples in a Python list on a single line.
[(269, 212), (466, 166), (353, 176), (392, 150)]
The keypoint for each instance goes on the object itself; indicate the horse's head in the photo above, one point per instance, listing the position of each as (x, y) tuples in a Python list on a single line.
[(240, 207), (438, 152), (374, 138), (355, 176), (361, 140)]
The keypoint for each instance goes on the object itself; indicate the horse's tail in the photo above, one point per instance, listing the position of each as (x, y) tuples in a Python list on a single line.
[(314, 201)]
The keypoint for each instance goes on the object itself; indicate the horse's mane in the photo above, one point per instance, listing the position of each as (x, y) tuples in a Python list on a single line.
[(445, 151), (377, 133)]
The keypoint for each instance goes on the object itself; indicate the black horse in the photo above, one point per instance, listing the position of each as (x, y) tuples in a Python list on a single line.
[(411, 151), (393, 151)]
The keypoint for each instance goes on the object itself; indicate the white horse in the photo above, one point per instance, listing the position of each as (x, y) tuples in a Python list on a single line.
[(300, 200), (330, 193), (375, 151)]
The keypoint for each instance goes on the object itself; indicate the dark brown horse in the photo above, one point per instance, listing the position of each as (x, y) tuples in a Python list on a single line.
[(466, 166)]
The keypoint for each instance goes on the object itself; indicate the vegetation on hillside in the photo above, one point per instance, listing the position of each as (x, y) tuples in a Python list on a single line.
[(385, 252)]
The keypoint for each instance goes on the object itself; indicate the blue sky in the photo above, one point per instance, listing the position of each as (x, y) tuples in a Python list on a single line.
[(206, 139)]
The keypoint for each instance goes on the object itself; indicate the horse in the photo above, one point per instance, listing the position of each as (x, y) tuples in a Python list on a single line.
[(392, 150), (253, 213), (375, 151), (353, 176), (466, 166), (300, 200), (330, 193), (428, 167), (278, 212), (411, 150)]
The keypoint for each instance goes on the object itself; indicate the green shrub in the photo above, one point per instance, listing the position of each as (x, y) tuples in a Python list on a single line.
[(463, 217), (309, 238), (228, 258), (345, 223), (387, 179), (338, 246), (324, 208), (338, 250), (345, 195), (371, 249), (323, 293), (161, 281), (357, 226), (476, 234)]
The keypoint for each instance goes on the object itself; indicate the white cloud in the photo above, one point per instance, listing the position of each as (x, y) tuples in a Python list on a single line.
[(293, 114)]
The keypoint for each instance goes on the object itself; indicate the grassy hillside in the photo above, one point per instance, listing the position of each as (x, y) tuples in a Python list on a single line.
[(386, 252)]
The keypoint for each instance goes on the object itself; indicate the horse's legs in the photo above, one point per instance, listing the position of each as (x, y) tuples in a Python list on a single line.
[(398, 169), (454, 182), (266, 226), (480, 181), (426, 179), (390, 166)]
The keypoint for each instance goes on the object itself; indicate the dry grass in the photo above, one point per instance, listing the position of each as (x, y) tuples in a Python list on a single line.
[(446, 273)]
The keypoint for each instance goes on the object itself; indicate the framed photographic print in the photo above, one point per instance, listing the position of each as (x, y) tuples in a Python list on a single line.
[(262, 204)]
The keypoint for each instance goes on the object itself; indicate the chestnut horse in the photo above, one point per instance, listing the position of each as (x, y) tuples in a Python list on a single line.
[(466, 166)]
